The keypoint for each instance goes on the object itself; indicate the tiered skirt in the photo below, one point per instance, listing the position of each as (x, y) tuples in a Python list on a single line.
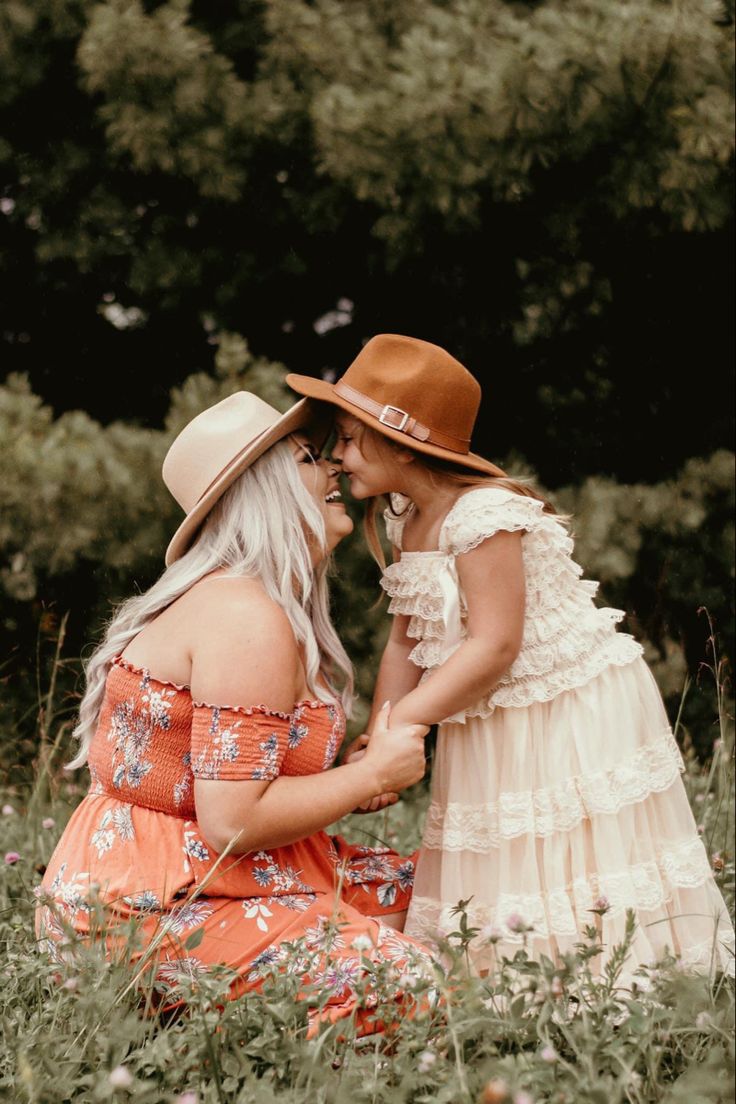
[(563, 814)]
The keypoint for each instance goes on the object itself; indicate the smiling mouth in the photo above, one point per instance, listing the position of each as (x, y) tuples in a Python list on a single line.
[(334, 497)]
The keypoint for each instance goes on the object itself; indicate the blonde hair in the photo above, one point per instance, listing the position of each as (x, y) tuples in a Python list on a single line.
[(261, 528), (439, 470)]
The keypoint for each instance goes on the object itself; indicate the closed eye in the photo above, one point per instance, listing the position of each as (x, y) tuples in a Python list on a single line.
[(310, 454)]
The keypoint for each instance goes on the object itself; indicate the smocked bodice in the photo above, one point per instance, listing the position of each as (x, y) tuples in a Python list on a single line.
[(567, 639), (152, 741)]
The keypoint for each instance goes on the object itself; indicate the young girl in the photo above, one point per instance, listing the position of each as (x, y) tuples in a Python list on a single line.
[(556, 791)]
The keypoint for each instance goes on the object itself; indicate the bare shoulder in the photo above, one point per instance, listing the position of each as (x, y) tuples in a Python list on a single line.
[(244, 651)]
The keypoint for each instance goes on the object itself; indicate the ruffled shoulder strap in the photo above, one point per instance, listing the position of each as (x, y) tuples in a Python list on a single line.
[(480, 513), (395, 517)]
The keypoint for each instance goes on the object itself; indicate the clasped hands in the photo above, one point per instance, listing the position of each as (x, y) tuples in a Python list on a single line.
[(357, 750)]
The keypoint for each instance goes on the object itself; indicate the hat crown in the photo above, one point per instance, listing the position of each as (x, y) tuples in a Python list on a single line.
[(420, 379), (208, 444)]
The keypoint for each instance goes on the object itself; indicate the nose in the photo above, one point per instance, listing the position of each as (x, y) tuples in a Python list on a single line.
[(337, 451)]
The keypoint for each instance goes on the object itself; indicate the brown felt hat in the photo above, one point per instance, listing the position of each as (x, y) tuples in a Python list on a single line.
[(411, 391), (215, 448)]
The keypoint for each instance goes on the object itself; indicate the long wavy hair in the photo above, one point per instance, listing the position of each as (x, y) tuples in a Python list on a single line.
[(263, 527)]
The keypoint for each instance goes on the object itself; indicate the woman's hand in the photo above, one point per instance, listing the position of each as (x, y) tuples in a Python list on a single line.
[(354, 754), (395, 755)]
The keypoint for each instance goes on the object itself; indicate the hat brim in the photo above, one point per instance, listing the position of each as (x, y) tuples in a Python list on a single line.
[(299, 415), (325, 392)]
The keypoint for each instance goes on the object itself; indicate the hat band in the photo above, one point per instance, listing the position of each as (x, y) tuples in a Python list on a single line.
[(393, 417)]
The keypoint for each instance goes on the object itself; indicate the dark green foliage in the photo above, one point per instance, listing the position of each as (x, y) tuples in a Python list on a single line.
[(545, 188)]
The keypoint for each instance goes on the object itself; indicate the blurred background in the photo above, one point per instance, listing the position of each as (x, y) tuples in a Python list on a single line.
[(197, 197)]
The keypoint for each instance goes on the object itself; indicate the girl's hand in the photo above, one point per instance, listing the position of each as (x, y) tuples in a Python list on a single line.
[(356, 750), (394, 755), (377, 803)]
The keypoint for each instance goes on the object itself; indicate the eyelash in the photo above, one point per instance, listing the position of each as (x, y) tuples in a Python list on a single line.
[(311, 455)]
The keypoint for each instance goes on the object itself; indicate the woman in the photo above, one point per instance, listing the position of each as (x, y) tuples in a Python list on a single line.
[(211, 714)]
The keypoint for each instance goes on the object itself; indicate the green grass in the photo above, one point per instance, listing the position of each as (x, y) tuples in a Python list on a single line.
[(531, 1032)]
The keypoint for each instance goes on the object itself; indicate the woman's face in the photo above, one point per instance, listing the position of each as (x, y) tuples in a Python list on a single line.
[(320, 477)]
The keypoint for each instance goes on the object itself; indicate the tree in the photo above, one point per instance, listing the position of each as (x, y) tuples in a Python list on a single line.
[(543, 187)]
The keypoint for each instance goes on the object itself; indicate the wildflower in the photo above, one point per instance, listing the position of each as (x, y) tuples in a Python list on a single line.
[(556, 987), (48, 822), (120, 1078), (71, 984), (516, 923), (362, 943), (11, 858), (601, 906), (187, 1098), (407, 980), (522, 1097), (8, 810), (699, 798), (548, 1054), (426, 1060), (495, 1091), (702, 1021), (717, 861), (701, 829), (491, 933)]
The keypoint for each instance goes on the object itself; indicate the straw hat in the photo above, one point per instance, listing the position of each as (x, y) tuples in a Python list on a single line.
[(411, 391), (215, 448)]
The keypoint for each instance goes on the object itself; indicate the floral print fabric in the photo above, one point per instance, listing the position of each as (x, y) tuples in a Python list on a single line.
[(134, 846)]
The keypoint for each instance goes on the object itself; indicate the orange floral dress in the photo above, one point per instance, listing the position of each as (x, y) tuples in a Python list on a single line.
[(133, 850)]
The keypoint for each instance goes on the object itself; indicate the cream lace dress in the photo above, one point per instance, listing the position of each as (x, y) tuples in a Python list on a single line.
[(562, 786)]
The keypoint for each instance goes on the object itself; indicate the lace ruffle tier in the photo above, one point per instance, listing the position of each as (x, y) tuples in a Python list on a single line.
[(653, 767), (561, 910)]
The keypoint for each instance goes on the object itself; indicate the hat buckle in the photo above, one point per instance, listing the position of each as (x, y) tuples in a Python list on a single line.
[(387, 411)]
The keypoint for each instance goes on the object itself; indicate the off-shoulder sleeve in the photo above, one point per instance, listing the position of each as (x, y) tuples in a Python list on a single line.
[(480, 513), (233, 744), (395, 516)]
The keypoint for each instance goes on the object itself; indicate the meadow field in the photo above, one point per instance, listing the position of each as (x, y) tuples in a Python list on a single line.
[(530, 1032)]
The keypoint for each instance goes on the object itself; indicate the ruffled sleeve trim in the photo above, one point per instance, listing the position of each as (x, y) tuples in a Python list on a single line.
[(484, 511)]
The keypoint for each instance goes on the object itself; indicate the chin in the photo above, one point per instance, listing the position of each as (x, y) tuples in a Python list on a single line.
[(358, 492)]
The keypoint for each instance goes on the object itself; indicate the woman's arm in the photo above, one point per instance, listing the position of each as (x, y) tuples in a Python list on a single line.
[(492, 579), (262, 815), (245, 654)]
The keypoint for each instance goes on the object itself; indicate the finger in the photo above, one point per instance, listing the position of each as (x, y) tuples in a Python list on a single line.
[(419, 730)]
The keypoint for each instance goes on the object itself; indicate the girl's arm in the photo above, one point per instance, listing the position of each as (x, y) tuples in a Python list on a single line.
[(492, 579), (397, 675)]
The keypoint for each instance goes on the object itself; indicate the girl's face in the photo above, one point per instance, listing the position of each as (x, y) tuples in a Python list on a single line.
[(369, 467), (320, 477)]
